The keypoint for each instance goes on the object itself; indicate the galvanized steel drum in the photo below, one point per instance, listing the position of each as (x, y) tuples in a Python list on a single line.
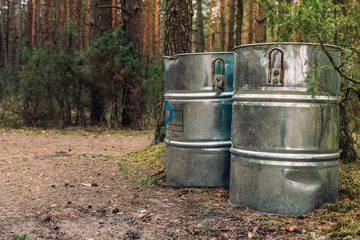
[(198, 91), (285, 128)]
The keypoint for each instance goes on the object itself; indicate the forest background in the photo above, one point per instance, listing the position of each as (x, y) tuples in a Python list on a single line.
[(99, 62)]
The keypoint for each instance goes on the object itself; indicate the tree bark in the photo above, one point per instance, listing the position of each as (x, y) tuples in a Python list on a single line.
[(178, 23), (130, 20), (14, 32), (231, 25), (239, 21), (147, 33), (3, 50), (94, 19), (155, 41), (114, 15), (251, 19), (29, 20), (97, 105), (46, 9), (216, 28), (209, 42), (86, 28), (222, 25), (199, 42), (105, 16), (261, 27)]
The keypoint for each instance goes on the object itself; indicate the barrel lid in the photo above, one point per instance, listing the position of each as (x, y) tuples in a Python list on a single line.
[(286, 43), (173, 57)]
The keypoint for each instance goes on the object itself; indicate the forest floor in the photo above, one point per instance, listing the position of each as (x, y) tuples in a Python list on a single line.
[(110, 185)]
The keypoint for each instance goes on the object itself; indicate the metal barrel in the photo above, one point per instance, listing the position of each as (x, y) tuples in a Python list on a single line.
[(285, 121), (198, 91)]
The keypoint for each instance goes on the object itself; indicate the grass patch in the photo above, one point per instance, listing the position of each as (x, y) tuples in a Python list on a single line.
[(342, 219), (70, 131), (20, 237), (145, 167), (206, 229), (205, 209)]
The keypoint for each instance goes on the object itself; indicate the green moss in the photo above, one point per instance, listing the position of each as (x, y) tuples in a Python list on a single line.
[(145, 167)]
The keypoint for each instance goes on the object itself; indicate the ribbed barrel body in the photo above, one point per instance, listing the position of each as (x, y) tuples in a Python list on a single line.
[(284, 158), (198, 106)]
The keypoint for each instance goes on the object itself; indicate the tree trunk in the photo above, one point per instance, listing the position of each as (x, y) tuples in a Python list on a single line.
[(209, 43), (38, 23), (251, 19), (178, 22), (14, 31), (114, 15), (105, 16), (94, 19), (29, 20), (33, 30), (261, 27), (19, 28), (199, 40), (216, 28), (147, 33), (86, 29), (97, 105), (46, 8), (155, 49), (222, 25), (3, 50), (231, 25), (130, 20)]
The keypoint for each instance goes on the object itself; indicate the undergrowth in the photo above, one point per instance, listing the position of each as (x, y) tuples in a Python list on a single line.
[(70, 131), (145, 167), (343, 217)]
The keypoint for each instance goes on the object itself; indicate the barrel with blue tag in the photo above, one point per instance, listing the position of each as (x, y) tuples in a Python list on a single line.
[(198, 91)]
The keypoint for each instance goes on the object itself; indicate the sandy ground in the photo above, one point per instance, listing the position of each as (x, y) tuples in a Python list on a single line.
[(55, 186)]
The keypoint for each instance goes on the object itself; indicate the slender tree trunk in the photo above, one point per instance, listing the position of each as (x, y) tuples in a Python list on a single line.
[(178, 32), (209, 41), (97, 105), (46, 8), (7, 32), (158, 45), (114, 15), (105, 16), (222, 25), (86, 34), (231, 25), (29, 20), (14, 32), (155, 29), (94, 19), (3, 60), (216, 28), (251, 19), (38, 24), (140, 26), (261, 26), (147, 33), (199, 42), (130, 20), (19, 28)]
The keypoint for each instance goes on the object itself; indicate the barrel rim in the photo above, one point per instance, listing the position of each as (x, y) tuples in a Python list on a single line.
[(199, 144), (286, 43), (197, 53)]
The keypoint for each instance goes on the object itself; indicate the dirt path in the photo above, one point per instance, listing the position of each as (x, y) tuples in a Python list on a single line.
[(64, 187)]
